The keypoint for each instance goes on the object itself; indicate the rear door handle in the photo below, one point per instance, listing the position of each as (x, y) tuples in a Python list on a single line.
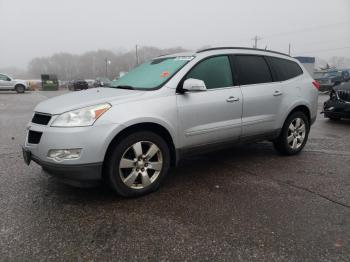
[(232, 99), (277, 93)]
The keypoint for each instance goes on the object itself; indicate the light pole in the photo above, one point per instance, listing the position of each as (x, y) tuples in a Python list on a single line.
[(289, 49), (137, 54), (108, 62)]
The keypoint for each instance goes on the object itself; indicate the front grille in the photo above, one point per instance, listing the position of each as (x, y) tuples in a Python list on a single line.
[(34, 137), (344, 95), (41, 119)]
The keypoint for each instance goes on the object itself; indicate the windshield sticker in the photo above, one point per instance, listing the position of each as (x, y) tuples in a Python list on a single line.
[(165, 74), (184, 58)]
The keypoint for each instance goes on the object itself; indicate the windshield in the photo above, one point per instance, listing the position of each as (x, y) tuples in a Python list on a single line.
[(152, 74)]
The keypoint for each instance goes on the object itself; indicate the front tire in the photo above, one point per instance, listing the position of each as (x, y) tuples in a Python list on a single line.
[(20, 89), (294, 134), (138, 164)]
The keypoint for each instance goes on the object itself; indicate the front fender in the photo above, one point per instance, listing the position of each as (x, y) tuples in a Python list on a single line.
[(152, 120), (161, 111)]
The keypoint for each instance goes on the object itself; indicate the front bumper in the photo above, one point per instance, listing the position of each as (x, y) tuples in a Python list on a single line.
[(93, 142), (76, 175), (336, 109)]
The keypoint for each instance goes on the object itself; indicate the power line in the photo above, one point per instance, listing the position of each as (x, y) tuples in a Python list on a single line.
[(325, 50), (296, 31), (327, 41), (306, 29)]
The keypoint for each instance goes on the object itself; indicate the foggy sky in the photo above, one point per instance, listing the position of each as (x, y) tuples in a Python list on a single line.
[(35, 28)]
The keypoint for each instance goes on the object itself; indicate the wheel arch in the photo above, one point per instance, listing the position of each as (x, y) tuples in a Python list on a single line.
[(146, 126), (20, 84), (301, 108)]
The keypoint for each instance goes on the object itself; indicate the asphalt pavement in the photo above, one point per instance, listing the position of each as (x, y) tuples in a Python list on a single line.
[(243, 204)]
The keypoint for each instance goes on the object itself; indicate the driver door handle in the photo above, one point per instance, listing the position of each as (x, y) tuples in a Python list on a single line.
[(232, 99)]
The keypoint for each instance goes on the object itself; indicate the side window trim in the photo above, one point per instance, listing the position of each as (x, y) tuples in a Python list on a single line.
[(236, 71), (272, 73), (235, 83), (272, 69)]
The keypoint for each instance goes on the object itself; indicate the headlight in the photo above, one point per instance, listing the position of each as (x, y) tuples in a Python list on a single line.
[(81, 117)]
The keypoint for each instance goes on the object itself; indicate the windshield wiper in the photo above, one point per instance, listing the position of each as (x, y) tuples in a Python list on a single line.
[(125, 87)]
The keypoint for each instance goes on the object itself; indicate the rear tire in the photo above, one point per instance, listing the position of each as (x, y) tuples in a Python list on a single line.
[(294, 134), (20, 89), (138, 164)]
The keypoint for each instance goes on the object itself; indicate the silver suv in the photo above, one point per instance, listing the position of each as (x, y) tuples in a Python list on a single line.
[(129, 135), (9, 84)]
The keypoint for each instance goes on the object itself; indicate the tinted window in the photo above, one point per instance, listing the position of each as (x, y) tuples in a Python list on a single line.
[(215, 72), (3, 77), (284, 69), (252, 70)]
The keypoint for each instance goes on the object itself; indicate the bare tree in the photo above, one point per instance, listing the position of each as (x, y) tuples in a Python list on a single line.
[(93, 64)]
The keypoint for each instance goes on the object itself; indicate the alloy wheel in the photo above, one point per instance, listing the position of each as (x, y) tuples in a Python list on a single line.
[(296, 133), (141, 165)]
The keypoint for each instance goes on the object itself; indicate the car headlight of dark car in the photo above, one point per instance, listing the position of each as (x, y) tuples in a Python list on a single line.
[(333, 95)]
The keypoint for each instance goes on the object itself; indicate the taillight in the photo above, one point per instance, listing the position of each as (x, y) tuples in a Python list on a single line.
[(316, 84)]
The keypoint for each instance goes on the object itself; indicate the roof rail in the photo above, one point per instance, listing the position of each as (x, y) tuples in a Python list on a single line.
[(241, 48)]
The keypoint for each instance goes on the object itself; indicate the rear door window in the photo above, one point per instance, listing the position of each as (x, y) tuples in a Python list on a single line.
[(252, 69), (284, 69)]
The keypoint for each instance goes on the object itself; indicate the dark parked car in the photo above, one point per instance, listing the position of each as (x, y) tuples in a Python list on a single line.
[(78, 85), (333, 78), (338, 105), (102, 82)]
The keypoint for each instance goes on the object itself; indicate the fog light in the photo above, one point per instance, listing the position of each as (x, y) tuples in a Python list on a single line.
[(64, 154)]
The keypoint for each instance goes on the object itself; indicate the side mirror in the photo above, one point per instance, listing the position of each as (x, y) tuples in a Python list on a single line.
[(193, 85)]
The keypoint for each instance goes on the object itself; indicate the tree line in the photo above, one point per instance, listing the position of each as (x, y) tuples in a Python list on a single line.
[(92, 64)]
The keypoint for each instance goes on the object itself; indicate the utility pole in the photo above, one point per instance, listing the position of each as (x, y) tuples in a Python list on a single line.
[(137, 54), (256, 39)]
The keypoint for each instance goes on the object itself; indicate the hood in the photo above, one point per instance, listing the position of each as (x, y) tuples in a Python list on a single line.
[(342, 87), (80, 99), (326, 78)]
